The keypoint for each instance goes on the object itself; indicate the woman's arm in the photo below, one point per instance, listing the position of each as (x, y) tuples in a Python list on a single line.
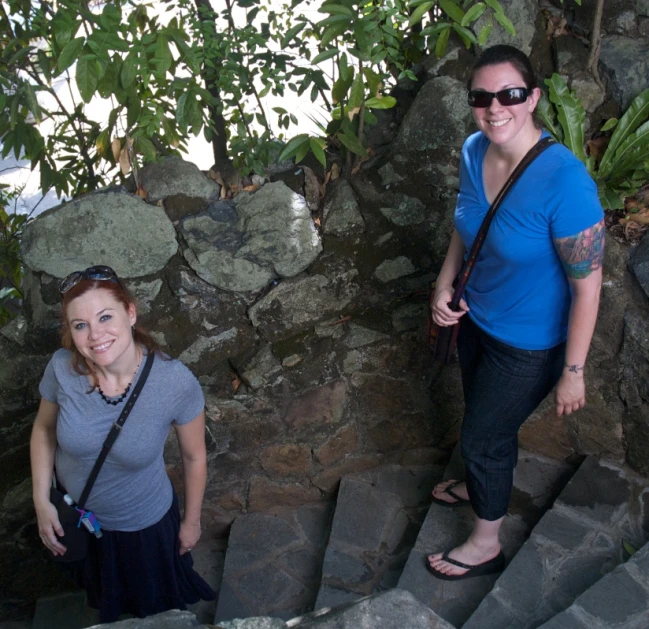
[(581, 256), (442, 314), (191, 438), (42, 448)]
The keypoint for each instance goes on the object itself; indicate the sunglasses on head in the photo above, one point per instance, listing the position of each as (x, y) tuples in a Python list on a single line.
[(508, 97), (99, 272)]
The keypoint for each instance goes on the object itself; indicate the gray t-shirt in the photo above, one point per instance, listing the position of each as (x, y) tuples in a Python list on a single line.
[(132, 490)]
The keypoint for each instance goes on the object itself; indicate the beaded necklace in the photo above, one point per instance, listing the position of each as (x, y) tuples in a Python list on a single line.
[(122, 397)]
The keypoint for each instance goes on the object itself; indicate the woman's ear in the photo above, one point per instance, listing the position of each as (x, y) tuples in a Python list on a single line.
[(132, 314), (533, 99)]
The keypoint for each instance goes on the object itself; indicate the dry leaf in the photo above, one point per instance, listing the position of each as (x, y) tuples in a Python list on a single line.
[(116, 148), (317, 221), (335, 172), (641, 217), (141, 192), (236, 383), (124, 161), (252, 188)]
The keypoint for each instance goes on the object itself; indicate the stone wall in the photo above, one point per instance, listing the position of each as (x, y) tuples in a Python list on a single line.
[(304, 317)]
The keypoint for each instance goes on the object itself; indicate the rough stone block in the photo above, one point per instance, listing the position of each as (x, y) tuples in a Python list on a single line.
[(562, 530), (565, 620), (266, 494)]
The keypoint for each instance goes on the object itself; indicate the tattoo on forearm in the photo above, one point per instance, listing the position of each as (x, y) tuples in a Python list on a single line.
[(582, 253), (574, 368)]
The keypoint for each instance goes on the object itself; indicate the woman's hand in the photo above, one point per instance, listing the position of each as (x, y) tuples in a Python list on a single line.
[(442, 314), (189, 534), (570, 394), (48, 525)]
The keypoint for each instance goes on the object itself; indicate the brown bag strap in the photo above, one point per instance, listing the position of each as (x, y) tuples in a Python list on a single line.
[(463, 277)]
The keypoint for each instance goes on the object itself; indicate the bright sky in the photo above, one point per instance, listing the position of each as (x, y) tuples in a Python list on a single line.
[(17, 173)]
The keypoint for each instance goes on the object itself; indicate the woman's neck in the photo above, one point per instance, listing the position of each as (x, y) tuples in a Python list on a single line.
[(123, 368), (513, 153)]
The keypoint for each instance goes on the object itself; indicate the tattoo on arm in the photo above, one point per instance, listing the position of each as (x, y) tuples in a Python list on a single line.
[(582, 253), (574, 368)]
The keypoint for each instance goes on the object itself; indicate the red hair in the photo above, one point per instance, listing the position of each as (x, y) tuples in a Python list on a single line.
[(140, 335)]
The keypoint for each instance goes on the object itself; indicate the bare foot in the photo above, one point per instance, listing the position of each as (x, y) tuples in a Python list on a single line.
[(468, 553), (440, 492)]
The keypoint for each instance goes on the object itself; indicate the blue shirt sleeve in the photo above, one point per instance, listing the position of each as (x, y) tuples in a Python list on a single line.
[(572, 202)]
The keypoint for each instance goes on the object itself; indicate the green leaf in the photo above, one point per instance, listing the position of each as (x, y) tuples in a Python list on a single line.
[(545, 112), (340, 89), (419, 13), (32, 101), (485, 31), (570, 113), (495, 5), (452, 10), (163, 58), (473, 13), (70, 53), (292, 146), (632, 151), (44, 64), (302, 151), (351, 142), (317, 150), (628, 549), (291, 33), (343, 67), (611, 123), (442, 40), (145, 147), (324, 55), (466, 35), (609, 198), (337, 9), (88, 75), (386, 102), (128, 73), (334, 19), (505, 22), (637, 112), (356, 95), (331, 33)]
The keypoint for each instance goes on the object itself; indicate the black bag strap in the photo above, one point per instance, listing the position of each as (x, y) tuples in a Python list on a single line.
[(463, 277), (116, 429)]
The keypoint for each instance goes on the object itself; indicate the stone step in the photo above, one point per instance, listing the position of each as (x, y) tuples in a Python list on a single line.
[(64, 611), (273, 562), (378, 515), (619, 599), (573, 546), (537, 481)]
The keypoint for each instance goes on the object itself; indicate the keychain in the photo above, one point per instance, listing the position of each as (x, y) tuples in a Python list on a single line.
[(88, 519)]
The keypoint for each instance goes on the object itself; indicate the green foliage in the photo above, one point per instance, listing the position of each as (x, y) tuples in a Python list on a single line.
[(11, 225), (624, 165), (197, 69)]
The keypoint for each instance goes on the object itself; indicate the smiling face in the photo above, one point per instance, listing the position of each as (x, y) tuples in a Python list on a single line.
[(504, 126), (100, 327)]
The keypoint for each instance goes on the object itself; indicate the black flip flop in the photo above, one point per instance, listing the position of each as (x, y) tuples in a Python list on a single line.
[(459, 501), (493, 566)]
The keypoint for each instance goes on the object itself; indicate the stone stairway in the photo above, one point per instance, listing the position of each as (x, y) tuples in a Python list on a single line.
[(537, 481), (576, 542), (563, 537), (378, 515)]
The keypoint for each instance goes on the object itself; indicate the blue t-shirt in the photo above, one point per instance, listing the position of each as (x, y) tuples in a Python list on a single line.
[(132, 490), (518, 291)]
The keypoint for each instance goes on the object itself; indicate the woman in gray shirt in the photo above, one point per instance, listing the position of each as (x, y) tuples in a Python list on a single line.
[(83, 390)]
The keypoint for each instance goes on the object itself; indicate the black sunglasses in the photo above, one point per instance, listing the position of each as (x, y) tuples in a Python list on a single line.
[(510, 96), (99, 272)]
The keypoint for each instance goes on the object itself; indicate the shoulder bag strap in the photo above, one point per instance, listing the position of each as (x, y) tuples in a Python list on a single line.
[(463, 278), (115, 430)]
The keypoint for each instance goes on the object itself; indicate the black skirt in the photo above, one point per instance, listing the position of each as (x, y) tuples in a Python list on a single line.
[(141, 572)]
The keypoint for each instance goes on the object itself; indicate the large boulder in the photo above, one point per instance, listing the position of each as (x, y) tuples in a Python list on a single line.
[(625, 62), (174, 176), (522, 14), (242, 245), (112, 227)]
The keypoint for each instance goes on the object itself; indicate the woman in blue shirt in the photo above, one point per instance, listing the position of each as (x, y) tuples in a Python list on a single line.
[(530, 307)]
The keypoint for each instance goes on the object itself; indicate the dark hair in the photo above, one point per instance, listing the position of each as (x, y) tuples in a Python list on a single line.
[(140, 335), (502, 53)]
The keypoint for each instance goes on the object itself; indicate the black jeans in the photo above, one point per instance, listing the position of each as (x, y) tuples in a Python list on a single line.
[(502, 387)]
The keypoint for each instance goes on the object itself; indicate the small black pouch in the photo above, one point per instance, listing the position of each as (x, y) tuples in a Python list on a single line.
[(75, 537)]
